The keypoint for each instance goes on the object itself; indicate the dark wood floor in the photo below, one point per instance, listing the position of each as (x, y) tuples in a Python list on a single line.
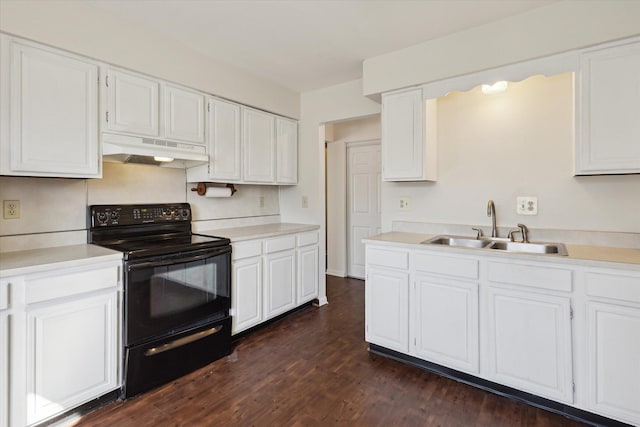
[(313, 369)]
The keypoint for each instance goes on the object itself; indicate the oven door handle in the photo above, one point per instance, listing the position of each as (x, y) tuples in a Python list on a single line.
[(182, 341), (173, 261)]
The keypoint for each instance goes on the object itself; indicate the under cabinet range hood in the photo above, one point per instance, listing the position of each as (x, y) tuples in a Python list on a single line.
[(130, 149)]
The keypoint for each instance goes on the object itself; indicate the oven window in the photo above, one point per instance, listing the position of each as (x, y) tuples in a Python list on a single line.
[(164, 297)]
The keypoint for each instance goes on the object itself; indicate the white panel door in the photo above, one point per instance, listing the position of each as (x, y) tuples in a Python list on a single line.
[(363, 202), (4, 368), (224, 141), (246, 295), (132, 103), (530, 342), (279, 283), (613, 337), (183, 114), (258, 144), (609, 111), (307, 273), (53, 113), (286, 151), (71, 354), (387, 309), (446, 322)]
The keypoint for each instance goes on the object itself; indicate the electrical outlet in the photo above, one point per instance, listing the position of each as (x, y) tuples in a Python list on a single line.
[(405, 203), (527, 205), (261, 201), (11, 209), (305, 202)]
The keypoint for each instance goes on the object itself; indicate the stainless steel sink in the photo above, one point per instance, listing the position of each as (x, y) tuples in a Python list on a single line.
[(499, 244), (532, 248), (459, 241)]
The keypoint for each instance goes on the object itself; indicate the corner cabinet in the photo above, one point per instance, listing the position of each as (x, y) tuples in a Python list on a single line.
[(49, 112), (286, 151), (409, 136), (608, 106)]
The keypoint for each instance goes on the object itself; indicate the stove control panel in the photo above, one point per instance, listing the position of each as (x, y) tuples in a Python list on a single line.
[(118, 215)]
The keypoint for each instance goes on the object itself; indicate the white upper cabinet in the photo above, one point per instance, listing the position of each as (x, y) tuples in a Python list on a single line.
[(183, 114), (49, 112), (132, 103), (258, 142), (286, 151), (608, 106), (223, 141), (408, 137)]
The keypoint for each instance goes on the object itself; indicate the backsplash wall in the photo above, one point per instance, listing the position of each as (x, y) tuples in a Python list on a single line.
[(51, 205), (515, 143)]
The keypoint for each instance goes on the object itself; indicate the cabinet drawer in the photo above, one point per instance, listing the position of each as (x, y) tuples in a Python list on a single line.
[(4, 294), (606, 285), (58, 284), (309, 238), (387, 258), (450, 266), (555, 279), (246, 249), (279, 244)]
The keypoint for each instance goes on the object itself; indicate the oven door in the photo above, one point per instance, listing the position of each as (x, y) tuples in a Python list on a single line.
[(167, 294)]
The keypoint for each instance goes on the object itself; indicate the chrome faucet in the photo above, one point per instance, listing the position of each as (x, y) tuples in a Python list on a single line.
[(525, 233), (491, 212)]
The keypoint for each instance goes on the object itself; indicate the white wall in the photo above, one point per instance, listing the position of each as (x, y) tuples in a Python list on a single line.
[(81, 28), (556, 28), (517, 143), (365, 129), (335, 103), (50, 205)]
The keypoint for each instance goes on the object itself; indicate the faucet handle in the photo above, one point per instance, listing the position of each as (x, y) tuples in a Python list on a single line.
[(478, 232), (512, 232), (525, 233)]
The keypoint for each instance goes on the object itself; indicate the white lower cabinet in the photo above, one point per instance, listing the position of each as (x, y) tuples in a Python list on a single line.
[(446, 322), (279, 283), (529, 337), (71, 353), (64, 340), (271, 276), (4, 354), (387, 308)]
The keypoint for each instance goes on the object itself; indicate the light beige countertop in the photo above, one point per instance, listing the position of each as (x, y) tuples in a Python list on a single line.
[(36, 260), (237, 234), (578, 254)]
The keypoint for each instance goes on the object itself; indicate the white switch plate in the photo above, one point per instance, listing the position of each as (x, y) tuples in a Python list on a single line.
[(405, 203), (527, 205), (305, 202), (261, 202)]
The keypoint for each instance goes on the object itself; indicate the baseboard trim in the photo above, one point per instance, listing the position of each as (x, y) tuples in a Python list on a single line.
[(336, 273)]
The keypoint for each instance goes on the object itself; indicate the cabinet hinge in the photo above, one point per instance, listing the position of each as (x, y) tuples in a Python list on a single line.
[(415, 342), (106, 116), (573, 387), (208, 107), (106, 80), (571, 313)]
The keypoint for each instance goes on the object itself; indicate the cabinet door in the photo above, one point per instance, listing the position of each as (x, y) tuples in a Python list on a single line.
[(258, 143), (608, 111), (280, 283), (132, 103), (530, 342), (246, 296), (613, 337), (387, 309), (286, 151), (446, 322), (224, 140), (307, 273), (183, 114), (405, 140), (51, 112), (71, 353)]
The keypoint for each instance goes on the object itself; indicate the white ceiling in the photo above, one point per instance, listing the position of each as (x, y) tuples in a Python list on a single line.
[(308, 44)]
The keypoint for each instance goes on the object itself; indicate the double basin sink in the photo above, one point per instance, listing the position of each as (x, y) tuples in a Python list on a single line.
[(498, 245)]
